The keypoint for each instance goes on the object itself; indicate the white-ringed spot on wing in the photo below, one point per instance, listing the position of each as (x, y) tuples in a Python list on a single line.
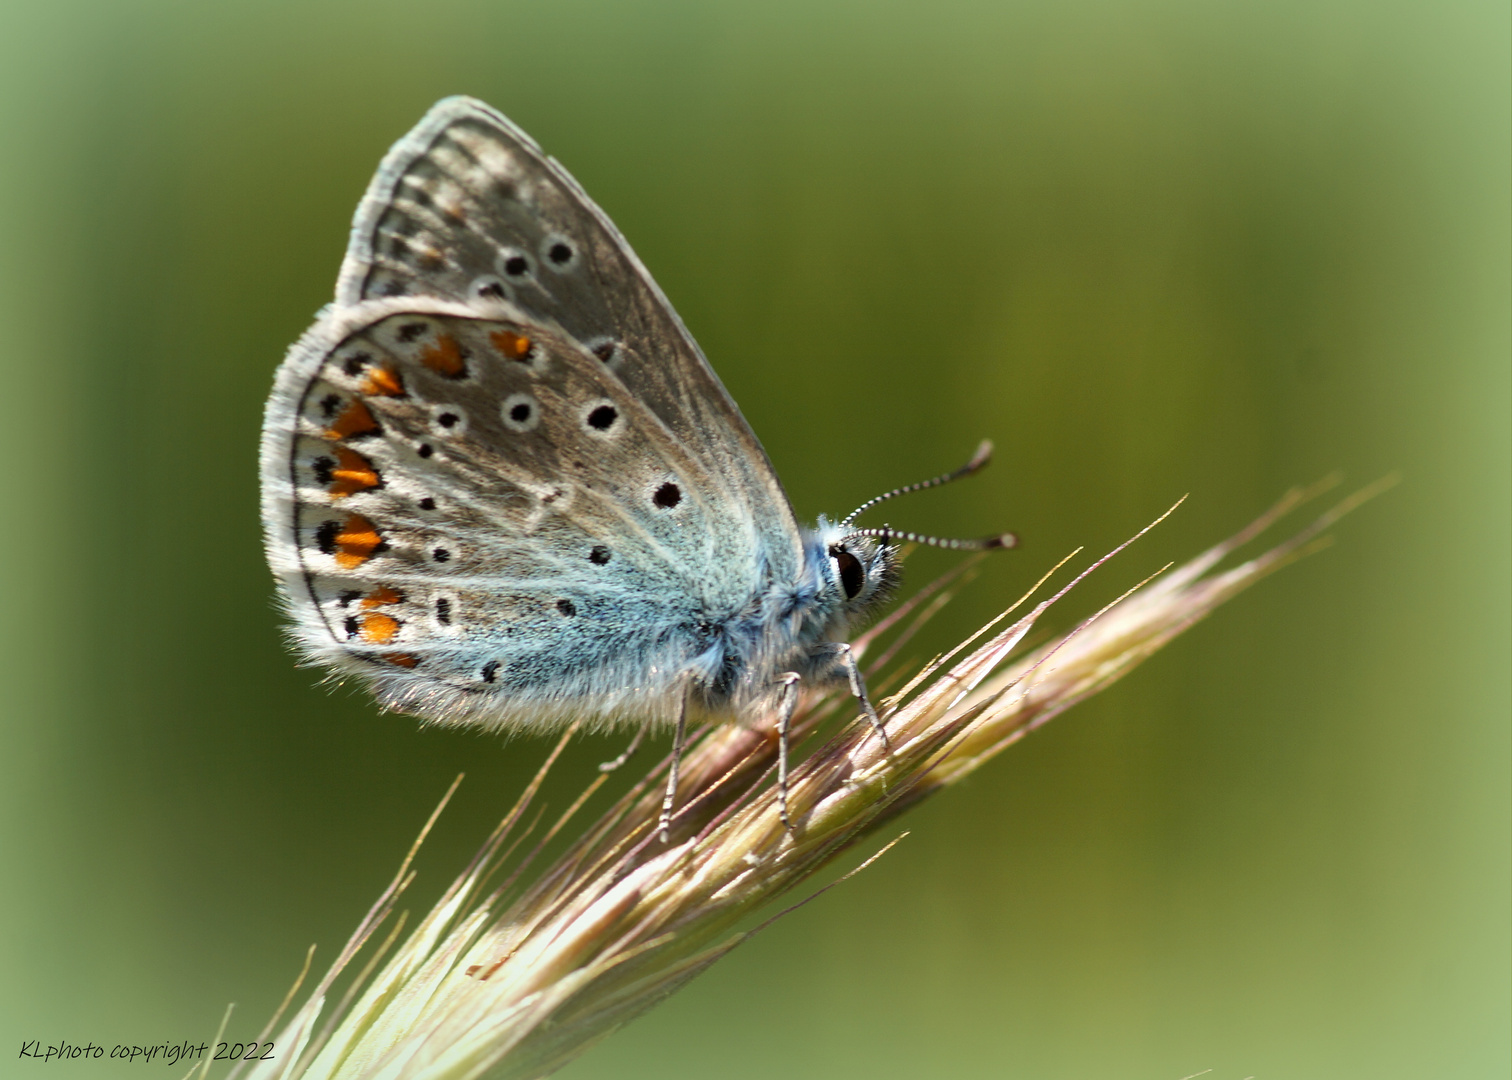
[(606, 349), (559, 253), (601, 419), (520, 412), (490, 671), (448, 421), (514, 264), (489, 287)]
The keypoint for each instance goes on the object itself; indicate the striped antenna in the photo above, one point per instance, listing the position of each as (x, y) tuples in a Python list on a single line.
[(1001, 540), (982, 456)]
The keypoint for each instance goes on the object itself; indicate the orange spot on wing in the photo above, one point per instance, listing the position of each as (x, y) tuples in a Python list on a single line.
[(353, 473), (382, 381), (356, 542), (514, 346), (354, 420), (380, 596), (444, 357), (401, 659), (379, 629)]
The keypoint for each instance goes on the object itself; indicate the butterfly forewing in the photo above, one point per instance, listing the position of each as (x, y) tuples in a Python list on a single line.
[(468, 208)]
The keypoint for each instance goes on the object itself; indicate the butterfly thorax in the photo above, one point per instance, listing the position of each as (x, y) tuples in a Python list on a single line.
[(785, 628)]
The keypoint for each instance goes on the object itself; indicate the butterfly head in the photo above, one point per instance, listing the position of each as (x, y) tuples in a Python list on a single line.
[(860, 571), (862, 566)]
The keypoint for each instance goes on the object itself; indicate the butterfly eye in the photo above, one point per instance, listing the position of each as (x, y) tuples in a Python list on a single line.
[(852, 574)]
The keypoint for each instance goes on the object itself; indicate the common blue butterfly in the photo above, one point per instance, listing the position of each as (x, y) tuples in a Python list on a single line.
[(502, 486)]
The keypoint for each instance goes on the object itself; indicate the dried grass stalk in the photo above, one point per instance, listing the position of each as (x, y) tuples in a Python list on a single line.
[(514, 979)]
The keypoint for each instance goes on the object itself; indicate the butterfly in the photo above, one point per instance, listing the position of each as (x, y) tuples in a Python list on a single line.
[(502, 486)]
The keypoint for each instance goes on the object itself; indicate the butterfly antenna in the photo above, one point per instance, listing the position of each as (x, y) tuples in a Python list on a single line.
[(982, 456), (985, 543)]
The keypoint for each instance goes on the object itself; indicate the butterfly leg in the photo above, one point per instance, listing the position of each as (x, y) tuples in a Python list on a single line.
[(610, 766), (845, 660), (677, 749), (789, 705)]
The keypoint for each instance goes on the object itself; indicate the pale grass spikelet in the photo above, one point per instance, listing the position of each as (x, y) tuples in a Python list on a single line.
[(514, 979)]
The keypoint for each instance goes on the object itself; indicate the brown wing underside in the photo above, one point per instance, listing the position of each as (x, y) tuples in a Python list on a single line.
[(467, 207)]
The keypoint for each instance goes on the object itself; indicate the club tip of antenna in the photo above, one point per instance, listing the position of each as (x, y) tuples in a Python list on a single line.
[(982, 456), (1001, 540)]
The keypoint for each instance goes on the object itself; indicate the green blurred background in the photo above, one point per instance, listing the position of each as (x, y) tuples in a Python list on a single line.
[(1148, 246)]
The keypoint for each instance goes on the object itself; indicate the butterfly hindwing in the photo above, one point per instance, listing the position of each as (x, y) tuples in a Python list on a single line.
[(475, 515)]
